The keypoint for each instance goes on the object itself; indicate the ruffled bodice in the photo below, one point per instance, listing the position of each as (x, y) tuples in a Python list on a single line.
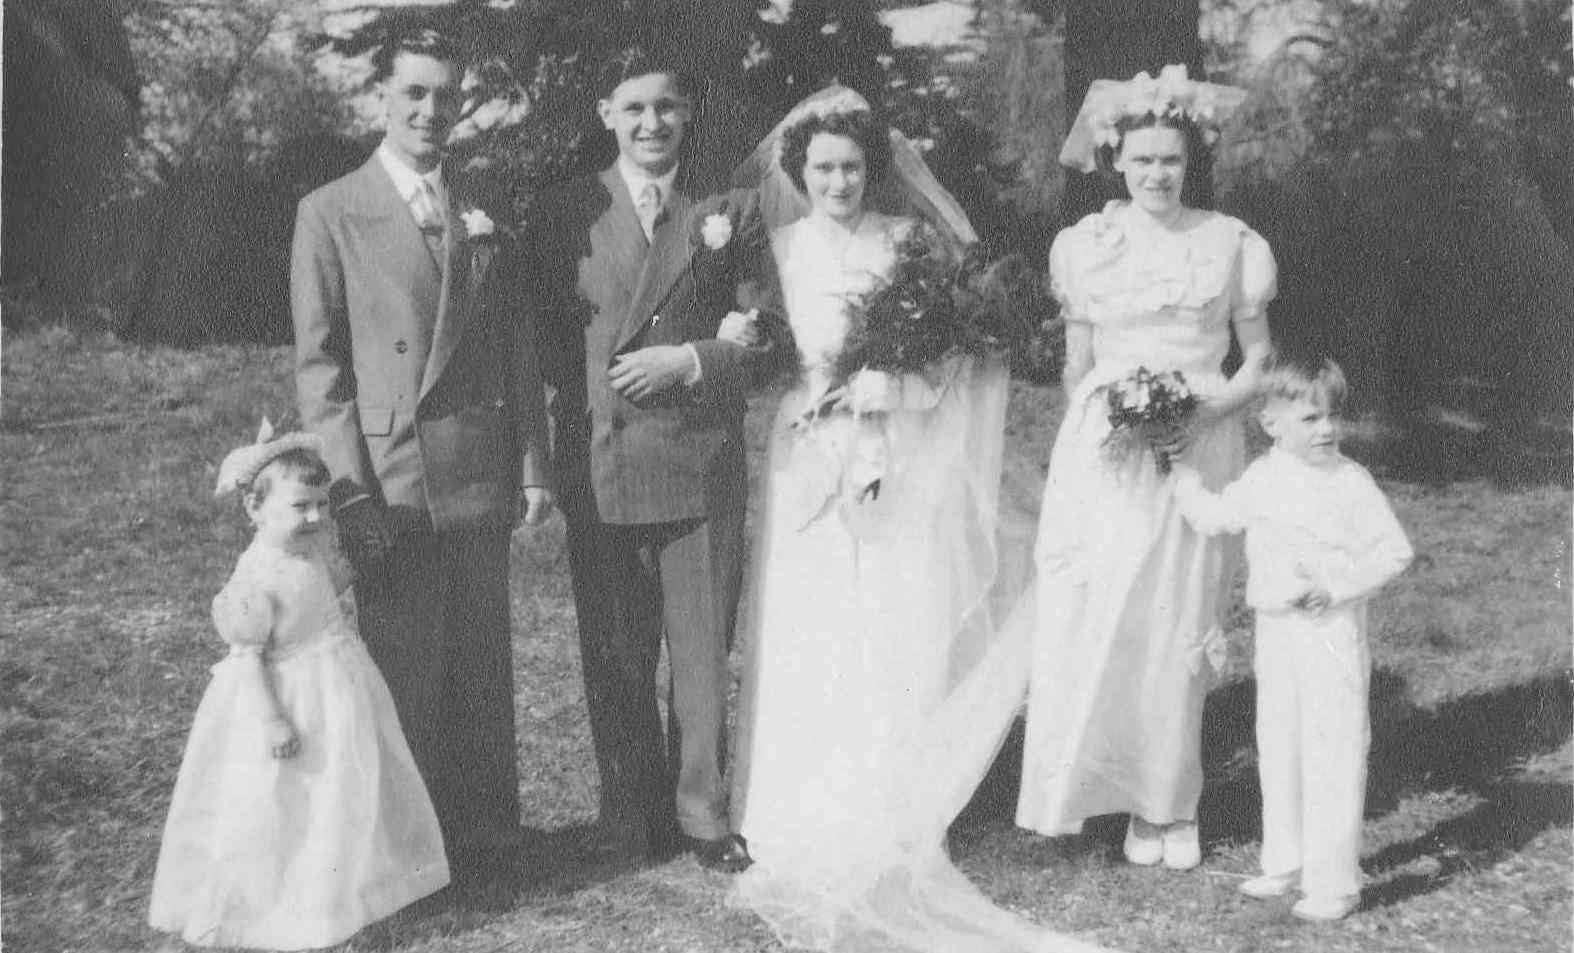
[(279, 603), (823, 270), (1163, 299)]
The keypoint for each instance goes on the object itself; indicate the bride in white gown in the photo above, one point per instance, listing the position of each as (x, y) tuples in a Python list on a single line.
[(879, 681)]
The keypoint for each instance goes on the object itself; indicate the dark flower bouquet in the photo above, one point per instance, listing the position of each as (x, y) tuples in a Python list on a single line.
[(937, 302), (1145, 408)]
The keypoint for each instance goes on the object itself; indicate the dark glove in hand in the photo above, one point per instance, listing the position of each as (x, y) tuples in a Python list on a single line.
[(364, 534)]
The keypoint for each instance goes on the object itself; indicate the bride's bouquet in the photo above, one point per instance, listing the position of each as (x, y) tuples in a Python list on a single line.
[(1145, 409), (937, 302)]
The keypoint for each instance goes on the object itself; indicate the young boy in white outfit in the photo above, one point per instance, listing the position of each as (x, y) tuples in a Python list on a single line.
[(1320, 540)]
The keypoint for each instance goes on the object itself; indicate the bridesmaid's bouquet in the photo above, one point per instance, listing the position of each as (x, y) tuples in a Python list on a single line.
[(938, 301), (1145, 409)]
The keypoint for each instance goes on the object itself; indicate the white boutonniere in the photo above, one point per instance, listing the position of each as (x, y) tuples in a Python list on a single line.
[(716, 231), (478, 224)]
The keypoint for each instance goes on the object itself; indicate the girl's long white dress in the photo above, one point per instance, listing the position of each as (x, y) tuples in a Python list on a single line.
[(878, 683), (300, 852), (1129, 596)]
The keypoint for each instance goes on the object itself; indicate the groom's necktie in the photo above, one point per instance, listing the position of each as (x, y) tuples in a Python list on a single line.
[(429, 216), (649, 208)]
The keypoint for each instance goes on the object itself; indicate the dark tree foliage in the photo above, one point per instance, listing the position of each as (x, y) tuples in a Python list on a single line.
[(545, 54), (820, 42), (70, 97), (753, 64), (1106, 40), (1441, 182)]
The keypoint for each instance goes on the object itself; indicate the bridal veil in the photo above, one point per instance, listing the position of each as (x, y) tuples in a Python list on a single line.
[(881, 881)]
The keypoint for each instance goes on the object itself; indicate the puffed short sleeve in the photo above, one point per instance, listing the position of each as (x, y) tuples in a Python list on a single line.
[(1257, 278), (243, 614), (1062, 275)]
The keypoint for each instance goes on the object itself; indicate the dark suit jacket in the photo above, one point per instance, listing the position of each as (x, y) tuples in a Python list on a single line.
[(423, 383), (598, 293)]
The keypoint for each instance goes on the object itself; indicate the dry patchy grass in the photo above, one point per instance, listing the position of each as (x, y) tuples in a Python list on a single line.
[(110, 548)]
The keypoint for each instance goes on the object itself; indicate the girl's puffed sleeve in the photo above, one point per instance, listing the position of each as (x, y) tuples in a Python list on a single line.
[(1257, 278), (243, 614), (1062, 274)]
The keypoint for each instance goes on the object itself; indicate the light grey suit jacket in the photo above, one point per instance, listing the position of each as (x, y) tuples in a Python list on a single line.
[(422, 380)]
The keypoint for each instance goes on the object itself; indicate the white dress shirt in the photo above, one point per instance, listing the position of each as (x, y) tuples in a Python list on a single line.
[(408, 182), (1306, 526), (636, 179)]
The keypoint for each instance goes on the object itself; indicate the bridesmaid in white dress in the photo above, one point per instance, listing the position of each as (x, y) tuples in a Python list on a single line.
[(877, 685), (1130, 597)]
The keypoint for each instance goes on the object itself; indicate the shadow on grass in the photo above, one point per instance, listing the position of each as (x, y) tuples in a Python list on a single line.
[(1471, 744), (1510, 815), (548, 863)]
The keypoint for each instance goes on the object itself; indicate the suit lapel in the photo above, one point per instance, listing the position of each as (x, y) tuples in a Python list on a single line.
[(619, 232), (669, 254), (379, 202), (456, 301)]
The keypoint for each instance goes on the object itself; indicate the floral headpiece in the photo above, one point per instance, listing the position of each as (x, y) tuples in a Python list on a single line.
[(241, 465), (1172, 95)]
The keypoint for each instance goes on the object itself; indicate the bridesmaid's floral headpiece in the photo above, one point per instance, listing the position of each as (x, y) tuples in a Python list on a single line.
[(1171, 96)]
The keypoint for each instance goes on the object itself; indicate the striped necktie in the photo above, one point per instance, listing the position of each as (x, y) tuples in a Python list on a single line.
[(429, 216), (649, 208)]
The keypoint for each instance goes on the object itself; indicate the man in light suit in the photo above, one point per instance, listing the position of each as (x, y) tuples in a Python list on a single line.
[(421, 378), (634, 274)]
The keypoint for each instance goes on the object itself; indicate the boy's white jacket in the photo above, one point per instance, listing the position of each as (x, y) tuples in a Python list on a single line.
[(1306, 527)]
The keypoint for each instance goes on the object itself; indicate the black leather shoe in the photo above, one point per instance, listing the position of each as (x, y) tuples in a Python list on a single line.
[(728, 853)]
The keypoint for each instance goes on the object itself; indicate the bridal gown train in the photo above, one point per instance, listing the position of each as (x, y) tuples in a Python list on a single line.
[(879, 681)]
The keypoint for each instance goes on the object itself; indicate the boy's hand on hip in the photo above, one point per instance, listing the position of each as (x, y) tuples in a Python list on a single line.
[(1315, 601)]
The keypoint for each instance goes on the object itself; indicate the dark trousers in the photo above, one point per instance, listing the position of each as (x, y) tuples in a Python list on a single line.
[(636, 587), (436, 621)]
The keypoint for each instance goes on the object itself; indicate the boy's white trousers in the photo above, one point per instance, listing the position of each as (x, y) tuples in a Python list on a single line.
[(1313, 734)]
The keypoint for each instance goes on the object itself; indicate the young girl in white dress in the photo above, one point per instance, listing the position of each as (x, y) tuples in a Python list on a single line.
[(1130, 597), (298, 816)]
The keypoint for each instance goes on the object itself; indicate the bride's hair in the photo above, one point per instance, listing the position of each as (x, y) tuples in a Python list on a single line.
[(860, 126)]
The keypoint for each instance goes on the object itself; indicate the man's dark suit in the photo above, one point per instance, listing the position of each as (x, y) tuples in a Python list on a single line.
[(654, 491), (420, 376)]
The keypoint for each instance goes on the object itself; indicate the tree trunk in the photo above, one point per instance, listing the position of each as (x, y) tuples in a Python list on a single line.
[(1116, 39), (714, 45), (70, 99)]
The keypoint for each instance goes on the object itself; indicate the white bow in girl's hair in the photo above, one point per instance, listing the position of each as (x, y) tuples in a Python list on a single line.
[(241, 465)]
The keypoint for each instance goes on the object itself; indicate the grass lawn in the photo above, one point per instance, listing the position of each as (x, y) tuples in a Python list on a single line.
[(111, 548)]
